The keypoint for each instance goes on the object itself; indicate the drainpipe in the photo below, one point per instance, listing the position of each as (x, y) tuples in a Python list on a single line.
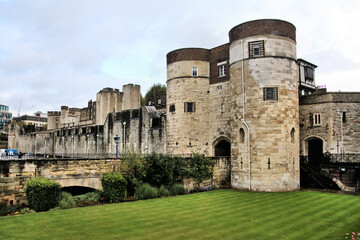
[(243, 118), (341, 131)]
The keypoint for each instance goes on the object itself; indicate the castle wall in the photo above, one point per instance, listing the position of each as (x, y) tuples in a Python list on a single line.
[(328, 105), (187, 131), (132, 96), (271, 151), (108, 100), (53, 120)]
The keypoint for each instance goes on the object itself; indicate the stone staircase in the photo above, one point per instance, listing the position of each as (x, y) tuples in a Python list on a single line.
[(311, 177)]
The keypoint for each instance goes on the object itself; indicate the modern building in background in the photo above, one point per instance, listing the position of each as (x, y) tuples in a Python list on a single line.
[(5, 117)]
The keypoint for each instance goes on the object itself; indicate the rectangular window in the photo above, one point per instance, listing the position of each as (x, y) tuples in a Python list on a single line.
[(256, 49), (222, 70), (309, 73), (271, 94), (317, 119), (195, 71), (189, 107)]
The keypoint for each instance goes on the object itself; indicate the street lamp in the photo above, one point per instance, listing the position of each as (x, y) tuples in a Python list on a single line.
[(97, 145), (124, 140), (117, 140), (62, 152), (45, 148), (72, 150), (87, 145)]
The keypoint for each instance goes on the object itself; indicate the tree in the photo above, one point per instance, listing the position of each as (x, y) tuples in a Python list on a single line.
[(155, 93)]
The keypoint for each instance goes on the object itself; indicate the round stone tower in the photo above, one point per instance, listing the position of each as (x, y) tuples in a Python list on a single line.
[(264, 106), (187, 99)]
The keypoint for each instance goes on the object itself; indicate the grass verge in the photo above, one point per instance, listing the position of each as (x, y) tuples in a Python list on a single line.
[(221, 214)]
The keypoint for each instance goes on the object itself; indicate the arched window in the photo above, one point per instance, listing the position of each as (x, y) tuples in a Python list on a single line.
[(292, 135), (242, 135)]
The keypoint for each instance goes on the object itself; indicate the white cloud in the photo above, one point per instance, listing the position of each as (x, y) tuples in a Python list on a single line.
[(55, 53)]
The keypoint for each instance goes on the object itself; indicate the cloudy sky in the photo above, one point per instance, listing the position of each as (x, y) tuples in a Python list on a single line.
[(55, 53)]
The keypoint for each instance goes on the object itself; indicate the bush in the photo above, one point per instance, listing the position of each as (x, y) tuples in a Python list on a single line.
[(42, 193), (67, 201), (114, 186), (90, 196), (201, 168), (164, 169), (177, 189), (145, 191), (163, 192), (7, 210), (26, 210)]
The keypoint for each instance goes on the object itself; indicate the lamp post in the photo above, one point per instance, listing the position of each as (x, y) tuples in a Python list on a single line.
[(87, 145), (97, 145), (35, 147), (62, 152), (117, 140), (45, 148), (72, 147), (124, 146)]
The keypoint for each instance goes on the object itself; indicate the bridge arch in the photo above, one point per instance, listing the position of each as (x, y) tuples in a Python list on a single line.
[(89, 182)]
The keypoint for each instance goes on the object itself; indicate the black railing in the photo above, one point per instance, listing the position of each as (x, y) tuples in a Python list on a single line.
[(342, 158)]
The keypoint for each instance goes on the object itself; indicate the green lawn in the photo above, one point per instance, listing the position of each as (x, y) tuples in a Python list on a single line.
[(221, 214)]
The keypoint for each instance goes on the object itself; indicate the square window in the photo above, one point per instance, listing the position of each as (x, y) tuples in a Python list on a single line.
[(189, 107), (256, 49), (195, 71), (222, 70), (270, 94)]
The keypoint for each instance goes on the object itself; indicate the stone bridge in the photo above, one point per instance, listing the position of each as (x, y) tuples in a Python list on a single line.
[(15, 173)]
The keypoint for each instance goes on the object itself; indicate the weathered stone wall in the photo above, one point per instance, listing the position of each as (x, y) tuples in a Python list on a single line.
[(132, 96), (187, 132), (53, 120), (271, 151), (108, 101), (96, 141), (328, 105), (14, 175)]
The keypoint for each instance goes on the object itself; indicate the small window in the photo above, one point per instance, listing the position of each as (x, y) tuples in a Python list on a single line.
[(309, 73), (195, 71), (156, 122), (317, 119), (344, 117), (270, 94), (256, 49), (292, 135), (172, 108), (189, 107), (219, 88), (222, 70), (242, 135)]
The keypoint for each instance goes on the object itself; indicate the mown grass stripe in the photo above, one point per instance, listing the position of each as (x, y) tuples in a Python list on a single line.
[(221, 214)]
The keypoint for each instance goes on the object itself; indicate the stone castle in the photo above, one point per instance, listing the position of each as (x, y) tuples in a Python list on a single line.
[(251, 100)]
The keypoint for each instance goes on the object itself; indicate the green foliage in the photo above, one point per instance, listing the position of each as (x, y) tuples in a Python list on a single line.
[(6, 210), (200, 168), (177, 189), (163, 192), (155, 92), (145, 191), (90, 196), (114, 186), (66, 201), (27, 211), (164, 169), (135, 169), (42, 193)]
